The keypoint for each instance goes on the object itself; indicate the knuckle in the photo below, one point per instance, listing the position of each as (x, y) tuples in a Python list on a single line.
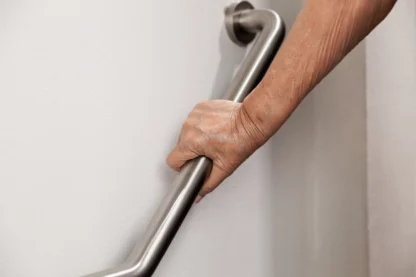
[(186, 125), (201, 105), (192, 137), (189, 125), (188, 136)]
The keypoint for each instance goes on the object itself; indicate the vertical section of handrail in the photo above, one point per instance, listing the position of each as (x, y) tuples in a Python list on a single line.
[(244, 24)]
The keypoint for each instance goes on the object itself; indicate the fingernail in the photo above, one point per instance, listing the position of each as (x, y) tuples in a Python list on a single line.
[(198, 199)]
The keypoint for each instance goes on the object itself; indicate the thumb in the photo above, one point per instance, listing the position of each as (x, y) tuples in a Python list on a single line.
[(179, 156), (215, 178)]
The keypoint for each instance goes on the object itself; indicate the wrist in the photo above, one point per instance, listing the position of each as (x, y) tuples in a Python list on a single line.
[(265, 111), (252, 129)]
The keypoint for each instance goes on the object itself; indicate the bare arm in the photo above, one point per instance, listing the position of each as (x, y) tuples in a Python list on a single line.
[(324, 32)]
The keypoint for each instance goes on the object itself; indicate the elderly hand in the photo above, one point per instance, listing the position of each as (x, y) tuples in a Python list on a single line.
[(222, 131)]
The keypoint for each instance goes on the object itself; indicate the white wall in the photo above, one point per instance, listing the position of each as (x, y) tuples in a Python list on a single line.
[(319, 175), (391, 104), (92, 95)]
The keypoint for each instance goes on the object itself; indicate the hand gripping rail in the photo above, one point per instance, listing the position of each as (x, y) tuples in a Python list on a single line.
[(243, 24)]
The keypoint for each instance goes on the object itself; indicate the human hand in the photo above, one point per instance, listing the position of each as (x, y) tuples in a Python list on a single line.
[(222, 131)]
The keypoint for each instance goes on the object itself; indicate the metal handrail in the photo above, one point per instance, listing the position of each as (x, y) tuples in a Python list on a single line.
[(244, 24)]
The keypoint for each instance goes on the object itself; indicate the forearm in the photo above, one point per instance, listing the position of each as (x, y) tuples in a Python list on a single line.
[(323, 33)]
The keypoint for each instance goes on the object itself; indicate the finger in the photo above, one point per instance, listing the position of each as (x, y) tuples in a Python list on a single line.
[(215, 178), (179, 156)]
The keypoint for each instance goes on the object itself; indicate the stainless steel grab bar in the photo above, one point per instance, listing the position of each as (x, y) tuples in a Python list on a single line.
[(243, 24)]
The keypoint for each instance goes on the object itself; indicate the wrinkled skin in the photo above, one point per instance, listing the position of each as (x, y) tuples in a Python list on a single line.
[(221, 131), (324, 32)]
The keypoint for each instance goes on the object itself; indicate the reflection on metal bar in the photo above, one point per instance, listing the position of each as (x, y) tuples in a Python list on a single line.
[(244, 24)]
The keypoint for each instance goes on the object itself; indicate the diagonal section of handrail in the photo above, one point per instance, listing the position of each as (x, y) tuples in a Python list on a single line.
[(244, 24)]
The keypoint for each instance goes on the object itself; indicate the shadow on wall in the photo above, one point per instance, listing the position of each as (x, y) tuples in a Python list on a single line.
[(231, 58), (291, 156), (317, 176)]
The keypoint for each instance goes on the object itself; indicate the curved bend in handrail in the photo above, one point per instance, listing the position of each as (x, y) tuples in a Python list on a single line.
[(244, 24)]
